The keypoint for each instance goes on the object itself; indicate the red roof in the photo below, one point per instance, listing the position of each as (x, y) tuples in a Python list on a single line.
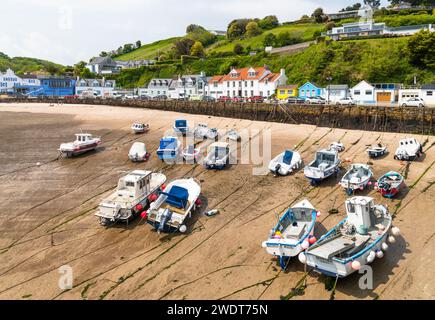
[(215, 78), (270, 77), (243, 74)]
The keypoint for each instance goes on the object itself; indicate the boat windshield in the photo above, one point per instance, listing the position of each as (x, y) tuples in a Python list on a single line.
[(168, 144)]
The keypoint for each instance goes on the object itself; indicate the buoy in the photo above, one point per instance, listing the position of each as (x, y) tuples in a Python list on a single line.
[(318, 214), (139, 207), (144, 215), (302, 258), (371, 257), (312, 239), (198, 202), (305, 245), (163, 187), (379, 254), (369, 183), (356, 265), (395, 231), (264, 245), (183, 228), (384, 246), (152, 197), (391, 239), (38, 164)]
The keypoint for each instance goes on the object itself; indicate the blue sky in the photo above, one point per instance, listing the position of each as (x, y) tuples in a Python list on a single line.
[(67, 31)]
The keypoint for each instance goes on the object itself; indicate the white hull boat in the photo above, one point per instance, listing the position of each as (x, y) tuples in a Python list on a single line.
[(218, 156), (191, 154), (409, 149), (285, 163), (84, 142), (233, 135), (357, 177), (338, 146), (131, 197), (326, 164), (138, 152), (356, 241), (140, 127), (179, 199), (376, 150), (293, 228)]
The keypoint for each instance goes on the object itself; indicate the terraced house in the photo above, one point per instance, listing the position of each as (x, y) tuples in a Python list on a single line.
[(95, 87), (246, 82), (156, 87), (188, 85)]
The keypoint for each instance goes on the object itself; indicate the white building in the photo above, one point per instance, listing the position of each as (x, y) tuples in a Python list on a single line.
[(96, 87), (386, 93), (246, 82), (156, 87), (103, 65), (336, 92), (406, 93), (363, 93), (188, 85), (428, 93), (8, 81)]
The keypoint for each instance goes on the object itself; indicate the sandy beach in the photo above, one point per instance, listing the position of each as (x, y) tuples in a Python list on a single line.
[(47, 213)]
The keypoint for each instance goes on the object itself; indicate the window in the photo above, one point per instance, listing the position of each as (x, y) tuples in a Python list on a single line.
[(252, 93), (234, 84), (429, 93), (351, 207), (368, 92), (252, 83), (281, 91), (215, 84), (129, 184), (302, 92), (357, 92), (246, 83), (240, 84), (228, 84), (261, 93), (246, 93)]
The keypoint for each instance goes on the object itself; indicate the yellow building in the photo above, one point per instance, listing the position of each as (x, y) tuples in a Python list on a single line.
[(283, 92)]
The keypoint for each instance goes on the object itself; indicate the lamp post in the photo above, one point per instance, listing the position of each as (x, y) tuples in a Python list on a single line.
[(329, 79)]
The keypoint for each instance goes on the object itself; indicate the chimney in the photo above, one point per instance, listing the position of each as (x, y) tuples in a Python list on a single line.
[(282, 72)]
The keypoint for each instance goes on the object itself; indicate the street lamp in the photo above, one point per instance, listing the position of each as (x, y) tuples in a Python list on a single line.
[(329, 79)]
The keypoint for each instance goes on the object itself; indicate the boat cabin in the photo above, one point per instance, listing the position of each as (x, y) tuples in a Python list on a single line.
[(83, 137), (408, 142), (220, 149), (359, 212), (325, 159), (134, 184)]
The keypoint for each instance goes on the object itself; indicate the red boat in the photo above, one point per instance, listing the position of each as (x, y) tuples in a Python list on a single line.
[(84, 142), (390, 184)]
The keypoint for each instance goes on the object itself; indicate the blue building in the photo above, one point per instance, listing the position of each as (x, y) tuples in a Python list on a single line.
[(310, 89), (58, 87)]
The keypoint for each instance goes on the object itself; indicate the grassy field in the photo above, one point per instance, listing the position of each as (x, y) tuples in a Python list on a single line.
[(149, 51), (22, 64)]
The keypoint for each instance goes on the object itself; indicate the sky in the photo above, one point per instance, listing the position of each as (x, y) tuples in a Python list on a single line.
[(68, 31)]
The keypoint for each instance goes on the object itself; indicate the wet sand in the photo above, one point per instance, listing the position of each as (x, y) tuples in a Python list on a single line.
[(47, 221)]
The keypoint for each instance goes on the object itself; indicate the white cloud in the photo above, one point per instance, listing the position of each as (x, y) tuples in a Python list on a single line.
[(66, 31)]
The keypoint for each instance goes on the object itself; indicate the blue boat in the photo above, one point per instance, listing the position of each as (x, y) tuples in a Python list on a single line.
[(181, 126), (326, 164), (169, 149)]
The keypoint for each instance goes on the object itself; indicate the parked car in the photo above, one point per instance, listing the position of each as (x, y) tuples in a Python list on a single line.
[(161, 97), (295, 100), (315, 100), (131, 96), (414, 102), (256, 99), (208, 99), (237, 99), (195, 97), (224, 99), (144, 97), (346, 102)]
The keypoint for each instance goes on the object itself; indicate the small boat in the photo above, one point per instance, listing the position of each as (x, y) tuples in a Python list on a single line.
[(376, 150), (293, 228), (356, 178), (390, 184), (131, 197), (325, 164), (233, 135), (218, 156), (138, 152), (409, 149), (181, 126), (203, 131), (356, 241), (140, 127), (169, 149), (191, 154), (84, 142), (176, 203), (337, 145), (284, 163)]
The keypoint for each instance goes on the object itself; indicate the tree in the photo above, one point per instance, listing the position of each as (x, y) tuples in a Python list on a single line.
[(373, 3), (138, 44), (252, 29), (237, 28), (318, 15), (182, 47), (238, 49), (268, 22), (79, 67), (194, 27), (103, 54), (330, 25), (128, 47), (197, 50), (52, 69), (269, 40), (356, 6), (421, 49), (285, 39)]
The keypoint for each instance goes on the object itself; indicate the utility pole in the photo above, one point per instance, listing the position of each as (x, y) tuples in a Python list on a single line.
[(329, 87)]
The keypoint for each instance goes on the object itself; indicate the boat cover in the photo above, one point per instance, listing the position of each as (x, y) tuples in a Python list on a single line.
[(191, 149), (180, 123), (288, 155), (177, 197), (168, 143)]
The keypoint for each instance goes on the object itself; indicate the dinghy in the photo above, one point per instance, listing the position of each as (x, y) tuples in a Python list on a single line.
[(356, 178), (138, 152), (174, 205), (131, 197), (325, 164), (84, 142), (376, 150), (218, 156), (284, 163), (169, 149), (337, 145), (233, 135), (140, 127), (356, 241), (191, 154), (287, 238), (390, 184), (409, 149)]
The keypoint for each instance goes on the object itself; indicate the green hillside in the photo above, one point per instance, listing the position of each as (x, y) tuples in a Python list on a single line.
[(149, 51), (21, 65)]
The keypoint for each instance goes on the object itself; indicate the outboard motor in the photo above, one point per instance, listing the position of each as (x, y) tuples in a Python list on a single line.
[(166, 216), (277, 167)]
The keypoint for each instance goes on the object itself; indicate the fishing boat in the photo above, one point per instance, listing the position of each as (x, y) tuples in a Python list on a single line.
[(131, 197), (357, 177), (390, 184), (284, 163), (409, 149), (218, 156), (292, 231), (169, 148), (191, 154), (325, 164), (140, 127), (203, 131), (174, 205), (181, 127), (84, 142), (138, 152), (376, 150), (337, 145), (356, 241)]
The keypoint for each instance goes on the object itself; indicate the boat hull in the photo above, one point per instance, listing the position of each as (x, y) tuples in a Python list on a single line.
[(79, 150)]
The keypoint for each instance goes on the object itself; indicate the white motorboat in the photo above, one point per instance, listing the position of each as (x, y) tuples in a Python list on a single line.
[(84, 142), (174, 205), (138, 152), (203, 131), (191, 154), (218, 156), (285, 163), (293, 228), (140, 127), (356, 241), (233, 135), (409, 149), (376, 150), (337, 145), (131, 196), (357, 177), (326, 164), (169, 149)]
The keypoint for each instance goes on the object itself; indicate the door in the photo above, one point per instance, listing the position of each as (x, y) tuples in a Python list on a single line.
[(383, 97)]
